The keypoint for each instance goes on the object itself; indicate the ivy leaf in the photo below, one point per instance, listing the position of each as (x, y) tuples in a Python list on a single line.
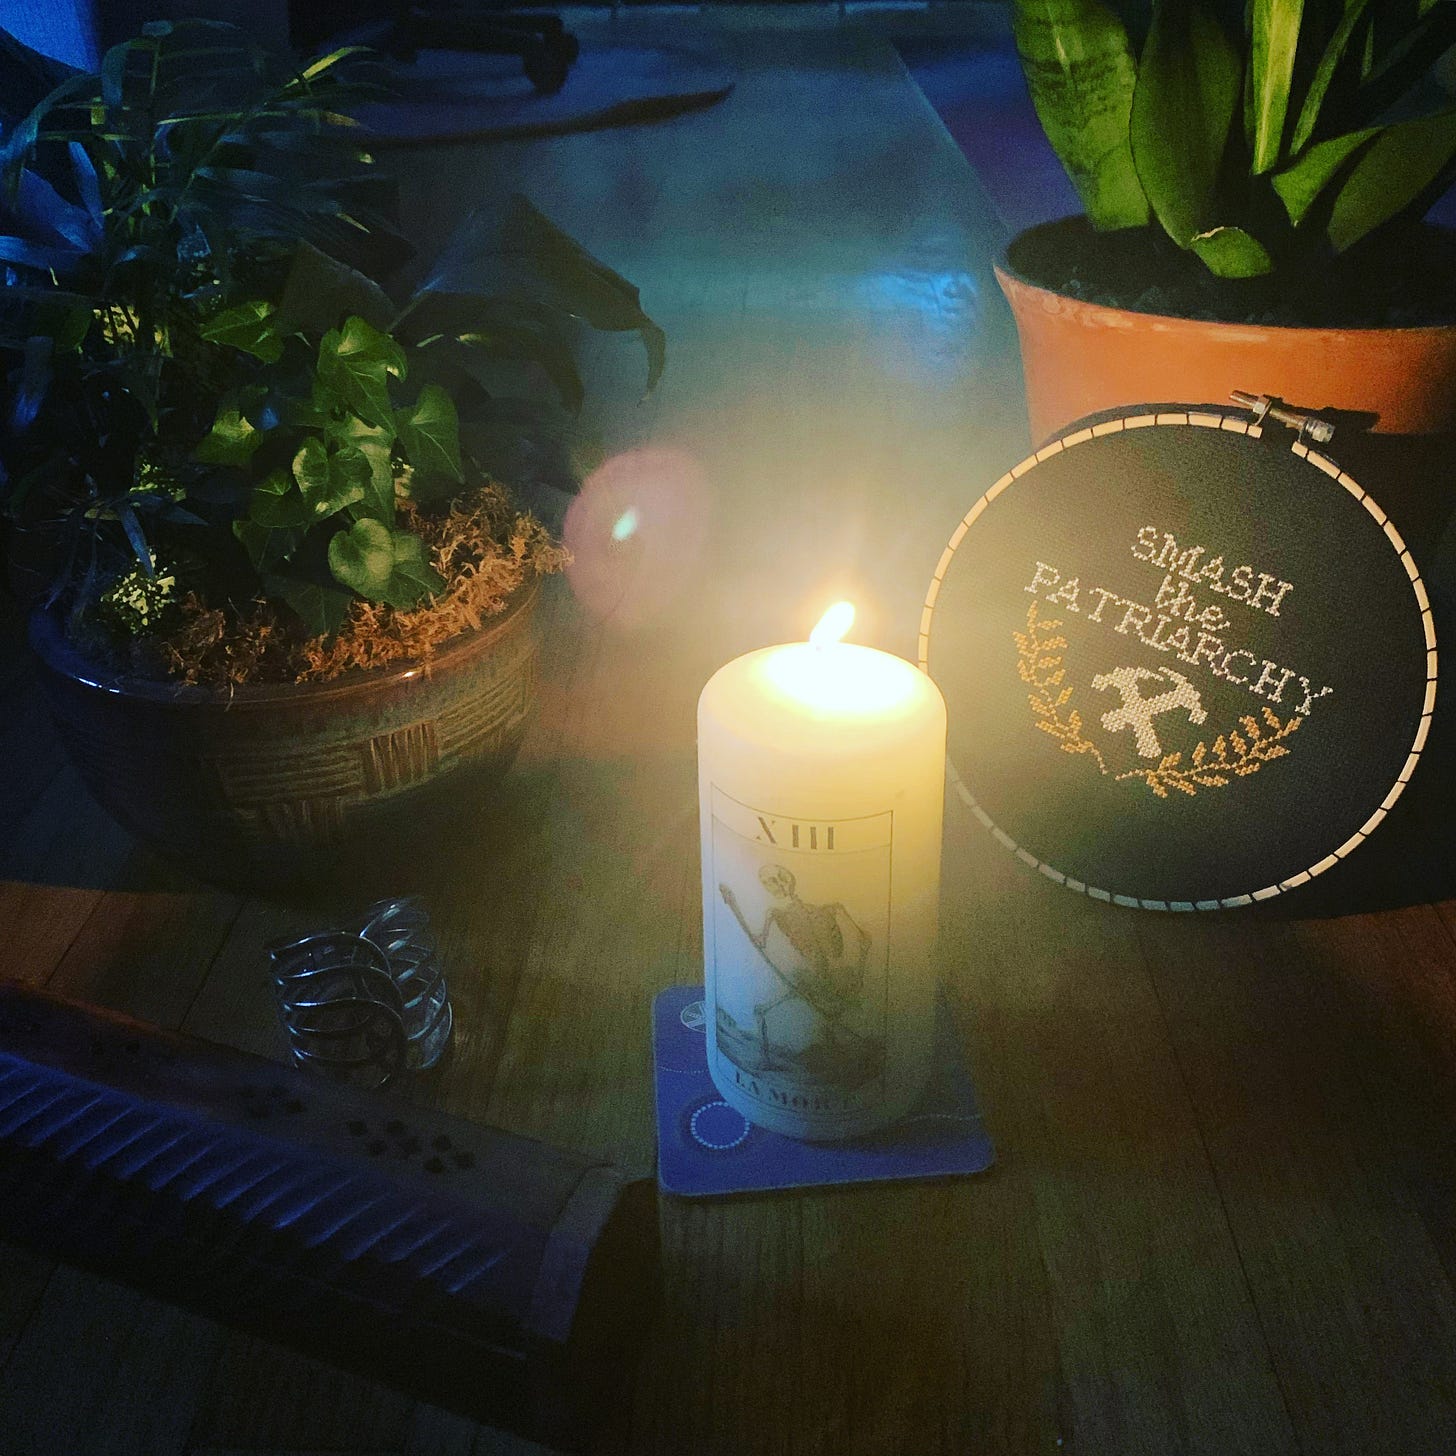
[(311, 471), (267, 547), (278, 503), (430, 434), (414, 577), (248, 327), (351, 475), (314, 413), (374, 443), (330, 482), (322, 608), (383, 565), (232, 439), (354, 364), (362, 558), (351, 430)]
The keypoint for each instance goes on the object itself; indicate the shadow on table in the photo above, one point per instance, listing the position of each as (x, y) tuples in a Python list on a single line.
[(75, 845), (1409, 858)]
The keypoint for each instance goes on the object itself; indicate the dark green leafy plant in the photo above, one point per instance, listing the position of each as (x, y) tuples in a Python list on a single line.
[(1262, 138), (137, 204), (337, 453), (206, 362)]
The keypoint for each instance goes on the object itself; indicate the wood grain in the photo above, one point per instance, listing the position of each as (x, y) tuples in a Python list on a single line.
[(100, 1369), (1357, 1322), (1223, 1218)]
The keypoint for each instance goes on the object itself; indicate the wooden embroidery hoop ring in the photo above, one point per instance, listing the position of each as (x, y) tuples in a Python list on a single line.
[(1210, 419)]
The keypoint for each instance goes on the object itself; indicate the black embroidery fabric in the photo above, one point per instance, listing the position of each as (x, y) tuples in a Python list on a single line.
[(1183, 664)]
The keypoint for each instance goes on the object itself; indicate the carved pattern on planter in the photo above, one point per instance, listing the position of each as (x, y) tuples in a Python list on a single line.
[(249, 784), (394, 760)]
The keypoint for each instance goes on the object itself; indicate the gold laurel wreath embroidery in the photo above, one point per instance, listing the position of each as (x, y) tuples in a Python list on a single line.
[(1232, 755), (1212, 767), (1041, 670)]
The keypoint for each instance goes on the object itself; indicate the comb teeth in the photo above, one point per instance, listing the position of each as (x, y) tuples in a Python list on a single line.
[(471, 1267), (336, 1215)]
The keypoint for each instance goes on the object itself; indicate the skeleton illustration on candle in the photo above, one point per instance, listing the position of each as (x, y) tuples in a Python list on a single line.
[(817, 955)]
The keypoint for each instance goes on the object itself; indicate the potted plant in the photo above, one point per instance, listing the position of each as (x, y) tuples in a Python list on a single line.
[(1254, 179), (287, 600)]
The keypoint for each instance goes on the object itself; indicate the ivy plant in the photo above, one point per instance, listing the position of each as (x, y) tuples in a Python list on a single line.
[(203, 358), (327, 448)]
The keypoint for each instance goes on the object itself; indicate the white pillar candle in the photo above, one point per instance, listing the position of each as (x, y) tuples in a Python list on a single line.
[(821, 771)]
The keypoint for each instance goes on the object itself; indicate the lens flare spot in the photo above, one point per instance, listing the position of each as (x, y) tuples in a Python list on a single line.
[(656, 497)]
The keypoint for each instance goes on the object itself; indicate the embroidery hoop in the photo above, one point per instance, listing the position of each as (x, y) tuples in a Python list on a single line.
[(1215, 419)]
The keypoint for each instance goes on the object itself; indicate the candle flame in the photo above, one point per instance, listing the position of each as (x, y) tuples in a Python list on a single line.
[(833, 624)]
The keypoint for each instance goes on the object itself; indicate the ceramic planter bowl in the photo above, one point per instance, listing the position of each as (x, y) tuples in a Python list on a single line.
[(269, 784), (1080, 358)]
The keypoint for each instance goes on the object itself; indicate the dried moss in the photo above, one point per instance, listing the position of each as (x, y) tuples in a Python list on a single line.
[(480, 544)]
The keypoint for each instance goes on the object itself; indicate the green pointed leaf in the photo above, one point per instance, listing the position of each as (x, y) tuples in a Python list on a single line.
[(383, 565), (1080, 71), (374, 442), (351, 477), (1392, 173), (475, 334), (1274, 34), (1230, 252), (322, 608), (1187, 93), (1319, 85), (414, 579), (355, 363), (429, 431), (1398, 65), (1300, 186), (231, 440), (267, 547), (320, 290), (330, 482), (315, 69), (362, 558), (248, 327), (278, 503), (525, 255)]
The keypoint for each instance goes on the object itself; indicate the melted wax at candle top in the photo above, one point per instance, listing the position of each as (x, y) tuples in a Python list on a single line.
[(838, 679)]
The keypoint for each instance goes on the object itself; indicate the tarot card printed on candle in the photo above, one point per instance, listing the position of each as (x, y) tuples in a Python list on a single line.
[(801, 928)]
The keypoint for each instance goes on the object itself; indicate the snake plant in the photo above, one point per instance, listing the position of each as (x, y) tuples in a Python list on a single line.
[(1261, 136)]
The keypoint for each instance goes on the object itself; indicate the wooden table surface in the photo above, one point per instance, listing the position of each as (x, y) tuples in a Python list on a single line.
[(1222, 1220)]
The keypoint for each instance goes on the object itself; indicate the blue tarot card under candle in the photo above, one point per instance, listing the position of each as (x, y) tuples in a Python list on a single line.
[(704, 1146)]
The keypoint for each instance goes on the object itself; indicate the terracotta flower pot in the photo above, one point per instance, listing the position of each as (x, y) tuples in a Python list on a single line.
[(1080, 358), (271, 783)]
